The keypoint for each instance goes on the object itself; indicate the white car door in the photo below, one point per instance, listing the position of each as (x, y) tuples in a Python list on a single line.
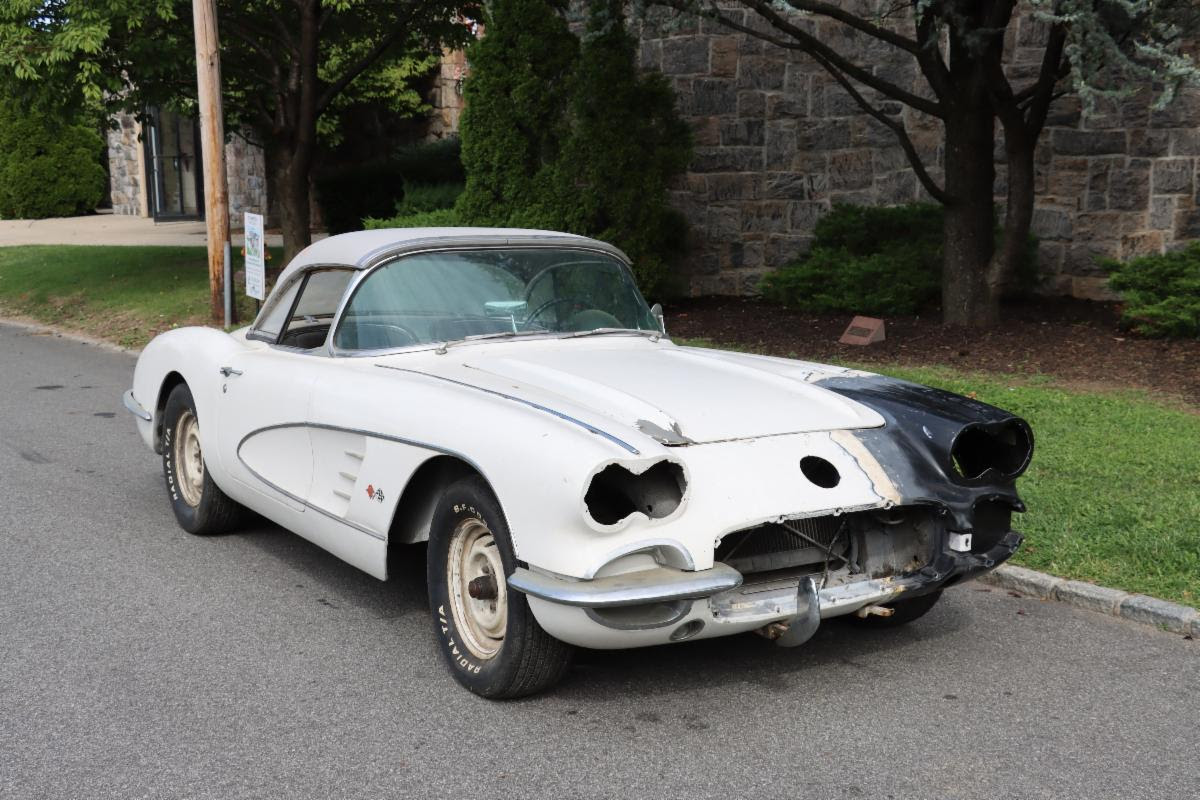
[(266, 391)]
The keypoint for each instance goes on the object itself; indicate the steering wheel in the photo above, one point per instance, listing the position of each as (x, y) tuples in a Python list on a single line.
[(553, 301), (536, 279)]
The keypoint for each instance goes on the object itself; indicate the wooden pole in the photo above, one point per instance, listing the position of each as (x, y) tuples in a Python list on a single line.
[(212, 147)]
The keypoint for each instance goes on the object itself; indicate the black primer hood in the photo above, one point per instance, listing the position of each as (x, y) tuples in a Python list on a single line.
[(941, 448)]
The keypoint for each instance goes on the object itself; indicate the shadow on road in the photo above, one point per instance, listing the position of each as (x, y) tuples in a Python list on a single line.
[(682, 667)]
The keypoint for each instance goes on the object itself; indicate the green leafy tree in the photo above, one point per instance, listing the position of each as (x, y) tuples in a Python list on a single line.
[(626, 141), (571, 136), (1101, 49), (516, 101), (48, 168), (285, 65)]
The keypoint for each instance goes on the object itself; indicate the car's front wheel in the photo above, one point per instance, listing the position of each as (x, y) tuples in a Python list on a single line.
[(199, 504), (489, 636)]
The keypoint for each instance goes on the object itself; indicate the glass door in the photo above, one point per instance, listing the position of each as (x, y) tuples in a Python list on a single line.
[(173, 157)]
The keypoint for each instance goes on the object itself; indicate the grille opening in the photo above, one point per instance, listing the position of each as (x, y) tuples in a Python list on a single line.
[(977, 449), (776, 546), (992, 519), (874, 543), (615, 492), (820, 472)]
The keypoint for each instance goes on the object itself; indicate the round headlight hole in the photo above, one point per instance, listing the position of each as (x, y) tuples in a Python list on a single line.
[(820, 472)]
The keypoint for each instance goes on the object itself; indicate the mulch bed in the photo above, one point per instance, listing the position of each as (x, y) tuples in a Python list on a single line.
[(1073, 340)]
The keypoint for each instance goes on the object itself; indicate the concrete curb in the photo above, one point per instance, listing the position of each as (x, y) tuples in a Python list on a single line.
[(35, 328), (1134, 607)]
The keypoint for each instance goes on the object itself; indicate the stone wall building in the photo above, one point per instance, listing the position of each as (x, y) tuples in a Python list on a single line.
[(446, 96), (154, 170), (778, 142)]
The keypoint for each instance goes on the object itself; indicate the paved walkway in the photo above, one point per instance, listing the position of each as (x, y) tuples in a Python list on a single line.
[(112, 229)]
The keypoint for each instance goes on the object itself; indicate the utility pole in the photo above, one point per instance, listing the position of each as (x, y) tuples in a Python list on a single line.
[(212, 148)]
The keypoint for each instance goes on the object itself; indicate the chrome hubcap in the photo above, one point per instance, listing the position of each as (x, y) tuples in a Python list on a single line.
[(478, 596), (189, 461)]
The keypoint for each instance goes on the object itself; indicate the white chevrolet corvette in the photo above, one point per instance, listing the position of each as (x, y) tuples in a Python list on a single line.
[(509, 397)]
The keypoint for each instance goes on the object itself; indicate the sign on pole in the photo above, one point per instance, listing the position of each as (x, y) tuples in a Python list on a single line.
[(256, 268)]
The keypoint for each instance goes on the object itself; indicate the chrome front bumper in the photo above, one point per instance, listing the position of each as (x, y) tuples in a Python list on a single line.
[(730, 601), (658, 585), (135, 408), (661, 605)]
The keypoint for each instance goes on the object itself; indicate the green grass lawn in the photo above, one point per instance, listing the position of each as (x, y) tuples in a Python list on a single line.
[(1114, 488), (1113, 492), (123, 294)]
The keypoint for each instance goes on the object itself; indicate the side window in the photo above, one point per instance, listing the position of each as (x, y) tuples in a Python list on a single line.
[(320, 294), (272, 322)]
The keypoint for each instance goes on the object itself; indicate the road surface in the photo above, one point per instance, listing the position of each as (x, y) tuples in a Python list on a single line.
[(139, 661)]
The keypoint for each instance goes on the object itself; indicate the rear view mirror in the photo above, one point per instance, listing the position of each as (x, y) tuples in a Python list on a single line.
[(657, 312)]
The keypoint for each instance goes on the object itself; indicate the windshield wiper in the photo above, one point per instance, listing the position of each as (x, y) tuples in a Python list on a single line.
[(655, 335), (479, 337)]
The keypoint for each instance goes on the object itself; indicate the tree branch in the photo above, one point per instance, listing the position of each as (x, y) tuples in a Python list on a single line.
[(906, 144), (360, 66), (1054, 67), (854, 21), (239, 31), (929, 54), (807, 43)]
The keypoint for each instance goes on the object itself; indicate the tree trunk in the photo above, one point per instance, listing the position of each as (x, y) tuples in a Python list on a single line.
[(294, 154), (291, 185), (1004, 273), (970, 244)]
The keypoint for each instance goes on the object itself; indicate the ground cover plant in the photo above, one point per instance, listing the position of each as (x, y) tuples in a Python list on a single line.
[(876, 260), (1161, 292)]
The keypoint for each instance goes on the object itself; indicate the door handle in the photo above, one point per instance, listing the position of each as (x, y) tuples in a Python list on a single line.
[(227, 371)]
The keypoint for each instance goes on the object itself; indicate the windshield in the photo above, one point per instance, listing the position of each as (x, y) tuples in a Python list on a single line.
[(446, 296)]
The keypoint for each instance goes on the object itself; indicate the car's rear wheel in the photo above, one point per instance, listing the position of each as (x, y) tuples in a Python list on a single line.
[(199, 504), (489, 636), (903, 611)]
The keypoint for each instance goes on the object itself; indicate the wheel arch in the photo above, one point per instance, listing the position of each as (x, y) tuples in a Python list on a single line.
[(414, 510), (169, 382)]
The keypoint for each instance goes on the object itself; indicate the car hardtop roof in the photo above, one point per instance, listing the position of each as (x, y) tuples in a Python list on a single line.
[(362, 249)]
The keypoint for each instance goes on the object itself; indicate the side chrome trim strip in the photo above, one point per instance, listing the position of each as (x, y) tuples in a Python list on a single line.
[(135, 408), (304, 502), (565, 417), (658, 585)]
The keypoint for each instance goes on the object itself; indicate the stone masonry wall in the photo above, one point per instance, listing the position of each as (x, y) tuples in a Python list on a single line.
[(245, 170), (778, 142), (446, 97), (126, 181)]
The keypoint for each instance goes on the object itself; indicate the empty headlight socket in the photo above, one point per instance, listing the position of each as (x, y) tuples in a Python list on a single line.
[(617, 492), (1004, 448)]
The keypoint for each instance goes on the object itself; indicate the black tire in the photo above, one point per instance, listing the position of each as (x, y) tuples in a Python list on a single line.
[(200, 509), (523, 659), (903, 612)]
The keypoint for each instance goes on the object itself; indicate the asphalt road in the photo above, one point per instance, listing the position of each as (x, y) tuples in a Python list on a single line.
[(139, 661)]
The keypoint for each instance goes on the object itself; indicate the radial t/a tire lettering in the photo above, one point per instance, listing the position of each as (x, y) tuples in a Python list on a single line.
[(487, 633), (199, 504)]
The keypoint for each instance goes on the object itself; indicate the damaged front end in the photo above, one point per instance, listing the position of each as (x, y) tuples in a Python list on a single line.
[(942, 467), (815, 568)]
